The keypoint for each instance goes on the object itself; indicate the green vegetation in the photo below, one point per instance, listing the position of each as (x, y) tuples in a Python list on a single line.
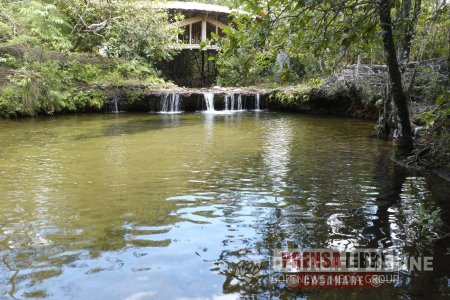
[(50, 52), (432, 146), (35, 87), (320, 37)]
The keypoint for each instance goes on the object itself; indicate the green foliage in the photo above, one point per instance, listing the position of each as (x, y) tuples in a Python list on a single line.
[(126, 29), (84, 72), (134, 71), (51, 78), (242, 69), (440, 112), (429, 85), (38, 88), (5, 32), (428, 220), (140, 31), (46, 23), (87, 101), (136, 68), (325, 35), (434, 143), (10, 104), (133, 96), (9, 61), (296, 97), (33, 23), (50, 86), (313, 34)]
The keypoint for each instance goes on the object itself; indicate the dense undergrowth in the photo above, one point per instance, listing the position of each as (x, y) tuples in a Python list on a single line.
[(42, 82), (433, 141)]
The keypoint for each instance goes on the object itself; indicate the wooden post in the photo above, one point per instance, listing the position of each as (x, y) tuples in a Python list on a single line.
[(217, 27), (190, 29), (203, 30), (203, 68)]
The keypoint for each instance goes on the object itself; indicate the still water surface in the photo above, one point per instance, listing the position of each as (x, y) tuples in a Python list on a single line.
[(165, 206)]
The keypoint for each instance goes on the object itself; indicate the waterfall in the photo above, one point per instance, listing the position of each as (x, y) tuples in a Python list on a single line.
[(115, 105), (170, 103), (227, 102), (257, 102), (209, 100), (239, 104)]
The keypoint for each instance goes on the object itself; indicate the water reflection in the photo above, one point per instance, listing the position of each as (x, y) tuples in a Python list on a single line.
[(169, 206), (276, 152)]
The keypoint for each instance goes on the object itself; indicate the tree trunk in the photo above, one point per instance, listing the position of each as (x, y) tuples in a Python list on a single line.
[(405, 141), (448, 58), (403, 15), (404, 47)]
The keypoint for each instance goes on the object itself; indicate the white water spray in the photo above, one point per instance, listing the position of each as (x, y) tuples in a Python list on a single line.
[(226, 99), (209, 101), (115, 103), (257, 102), (239, 102), (170, 103)]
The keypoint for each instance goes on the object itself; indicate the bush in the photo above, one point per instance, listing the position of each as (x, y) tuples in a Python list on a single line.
[(45, 88), (49, 86)]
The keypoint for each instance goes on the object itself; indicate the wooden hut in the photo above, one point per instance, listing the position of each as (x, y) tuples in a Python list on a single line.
[(200, 22)]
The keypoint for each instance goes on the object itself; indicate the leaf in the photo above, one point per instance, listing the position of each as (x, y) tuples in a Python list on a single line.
[(227, 31), (440, 100)]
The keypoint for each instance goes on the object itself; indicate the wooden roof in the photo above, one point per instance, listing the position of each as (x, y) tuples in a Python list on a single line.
[(196, 6)]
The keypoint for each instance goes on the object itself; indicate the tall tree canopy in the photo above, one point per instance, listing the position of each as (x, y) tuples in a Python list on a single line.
[(118, 28)]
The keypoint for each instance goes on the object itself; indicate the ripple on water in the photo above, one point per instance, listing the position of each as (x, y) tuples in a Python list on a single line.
[(140, 202)]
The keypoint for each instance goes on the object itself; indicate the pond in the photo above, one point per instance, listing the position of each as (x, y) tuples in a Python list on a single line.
[(151, 206)]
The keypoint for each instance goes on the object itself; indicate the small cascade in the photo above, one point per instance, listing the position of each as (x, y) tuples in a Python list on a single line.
[(230, 106), (227, 102), (170, 104), (209, 100), (257, 106), (114, 105), (232, 102), (239, 102)]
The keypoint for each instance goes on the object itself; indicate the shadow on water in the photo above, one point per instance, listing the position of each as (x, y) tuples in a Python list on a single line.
[(389, 223), (134, 127), (390, 178), (122, 126)]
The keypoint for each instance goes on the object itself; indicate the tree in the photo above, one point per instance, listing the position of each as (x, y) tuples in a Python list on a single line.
[(405, 141), (33, 23), (127, 29)]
